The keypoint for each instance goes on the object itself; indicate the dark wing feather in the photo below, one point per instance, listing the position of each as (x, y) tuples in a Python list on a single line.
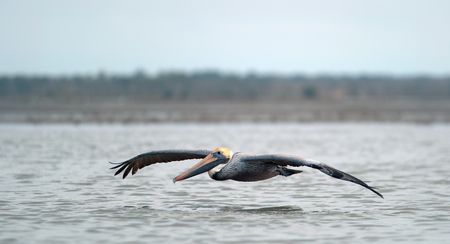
[(145, 159), (297, 162)]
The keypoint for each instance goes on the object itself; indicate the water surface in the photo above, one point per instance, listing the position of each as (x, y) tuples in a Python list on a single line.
[(56, 185)]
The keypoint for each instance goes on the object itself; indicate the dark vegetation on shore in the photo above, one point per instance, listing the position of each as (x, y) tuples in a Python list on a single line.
[(211, 85), (198, 96)]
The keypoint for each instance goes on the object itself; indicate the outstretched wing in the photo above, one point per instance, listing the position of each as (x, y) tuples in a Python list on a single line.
[(297, 162), (145, 159)]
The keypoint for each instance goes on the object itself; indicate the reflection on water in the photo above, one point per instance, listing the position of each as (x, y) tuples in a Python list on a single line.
[(279, 210), (56, 185)]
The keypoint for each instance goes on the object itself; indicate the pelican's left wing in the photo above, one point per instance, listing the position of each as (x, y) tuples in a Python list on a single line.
[(298, 162), (164, 156)]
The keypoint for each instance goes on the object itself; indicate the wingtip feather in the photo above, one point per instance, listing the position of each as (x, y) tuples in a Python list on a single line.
[(379, 194)]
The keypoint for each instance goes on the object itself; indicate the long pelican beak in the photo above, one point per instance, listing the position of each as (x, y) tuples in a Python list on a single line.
[(204, 165)]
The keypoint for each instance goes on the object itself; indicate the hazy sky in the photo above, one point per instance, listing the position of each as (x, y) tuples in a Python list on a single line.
[(67, 36)]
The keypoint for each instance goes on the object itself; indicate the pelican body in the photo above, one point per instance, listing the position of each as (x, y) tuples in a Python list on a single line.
[(239, 169), (221, 164)]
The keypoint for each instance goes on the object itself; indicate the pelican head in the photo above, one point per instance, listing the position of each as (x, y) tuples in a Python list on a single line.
[(213, 162)]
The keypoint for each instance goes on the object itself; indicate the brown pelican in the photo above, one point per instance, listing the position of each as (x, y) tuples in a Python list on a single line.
[(222, 164)]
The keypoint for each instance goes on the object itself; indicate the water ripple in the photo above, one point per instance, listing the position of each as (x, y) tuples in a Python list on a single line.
[(56, 185)]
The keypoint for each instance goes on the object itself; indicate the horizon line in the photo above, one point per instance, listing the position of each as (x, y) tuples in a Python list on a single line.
[(250, 72)]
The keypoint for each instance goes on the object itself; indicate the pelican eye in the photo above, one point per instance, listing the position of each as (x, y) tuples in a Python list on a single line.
[(219, 152)]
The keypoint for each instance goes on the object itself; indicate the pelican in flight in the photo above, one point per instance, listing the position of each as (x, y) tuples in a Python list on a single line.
[(222, 164)]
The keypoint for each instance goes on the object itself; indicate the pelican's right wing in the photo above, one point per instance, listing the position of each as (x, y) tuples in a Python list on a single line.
[(164, 156), (298, 162)]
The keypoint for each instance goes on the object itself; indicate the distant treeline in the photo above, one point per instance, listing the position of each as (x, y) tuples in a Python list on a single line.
[(212, 85)]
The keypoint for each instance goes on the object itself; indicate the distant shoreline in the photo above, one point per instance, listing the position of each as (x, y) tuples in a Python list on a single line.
[(361, 111), (214, 96)]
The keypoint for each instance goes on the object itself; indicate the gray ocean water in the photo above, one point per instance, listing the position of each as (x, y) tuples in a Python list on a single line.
[(56, 186)]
